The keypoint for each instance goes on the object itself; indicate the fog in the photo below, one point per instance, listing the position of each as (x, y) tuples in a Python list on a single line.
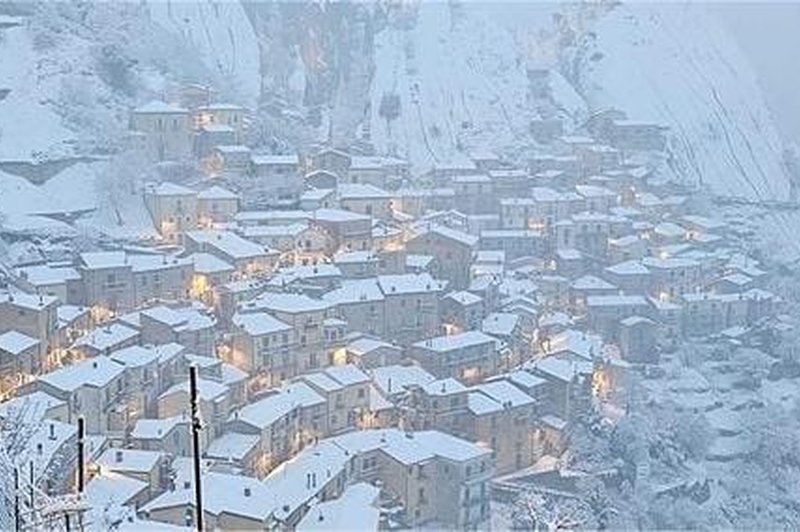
[(767, 33)]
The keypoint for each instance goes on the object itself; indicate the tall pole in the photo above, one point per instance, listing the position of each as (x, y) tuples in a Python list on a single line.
[(196, 426), (32, 481), (81, 452), (17, 516)]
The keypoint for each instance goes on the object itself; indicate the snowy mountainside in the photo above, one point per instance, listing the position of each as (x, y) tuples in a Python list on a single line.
[(222, 36), (455, 76), (461, 78), (672, 62)]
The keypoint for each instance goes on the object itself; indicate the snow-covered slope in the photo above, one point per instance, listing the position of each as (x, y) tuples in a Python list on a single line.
[(222, 37), (29, 126), (461, 79), (671, 62)]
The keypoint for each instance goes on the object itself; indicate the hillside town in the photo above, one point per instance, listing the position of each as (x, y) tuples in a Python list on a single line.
[(351, 343)]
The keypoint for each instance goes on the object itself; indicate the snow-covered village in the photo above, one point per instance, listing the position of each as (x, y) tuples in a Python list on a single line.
[(393, 265)]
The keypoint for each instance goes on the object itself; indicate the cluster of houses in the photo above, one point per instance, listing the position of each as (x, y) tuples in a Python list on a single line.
[(372, 345)]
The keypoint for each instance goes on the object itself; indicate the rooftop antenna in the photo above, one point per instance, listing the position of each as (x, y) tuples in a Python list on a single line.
[(196, 426)]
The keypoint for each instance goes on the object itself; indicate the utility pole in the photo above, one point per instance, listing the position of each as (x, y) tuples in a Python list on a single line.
[(81, 448), (81, 468), (17, 513), (30, 487), (196, 427)]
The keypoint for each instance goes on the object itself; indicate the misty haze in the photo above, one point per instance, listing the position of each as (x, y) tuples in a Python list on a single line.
[(378, 265)]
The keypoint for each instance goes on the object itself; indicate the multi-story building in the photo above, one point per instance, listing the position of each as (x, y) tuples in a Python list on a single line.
[(452, 249), (166, 129), (261, 345), (469, 356), (412, 306)]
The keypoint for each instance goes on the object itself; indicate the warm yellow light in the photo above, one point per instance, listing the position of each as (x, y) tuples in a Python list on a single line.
[(471, 374), (200, 286), (340, 357)]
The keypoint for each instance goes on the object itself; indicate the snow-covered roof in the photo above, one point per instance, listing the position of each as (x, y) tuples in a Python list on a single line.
[(207, 263), (629, 267), (504, 393), (348, 191), (216, 192), (110, 489), (338, 216), (31, 407), (418, 261), (16, 343), (99, 260), (207, 390), (347, 375), (355, 257), (129, 460), (283, 230), (269, 217), (97, 372), (289, 481), (168, 188), (229, 243), (462, 340), (444, 387), (160, 107), (480, 404), (500, 323), (236, 495), (355, 509), (275, 160), (615, 300), (584, 345), (135, 356), (632, 321), (366, 345), (408, 283), (594, 191), (272, 408), (259, 323), (232, 445), (523, 379), (464, 298), (155, 429), (394, 379), (590, 282), (107, 336), (181, 319), (448, 233), (48, 274), (289, 303), (221, 106), (232, 148)]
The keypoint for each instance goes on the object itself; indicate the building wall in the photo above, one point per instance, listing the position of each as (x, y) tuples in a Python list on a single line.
[(168, 136)]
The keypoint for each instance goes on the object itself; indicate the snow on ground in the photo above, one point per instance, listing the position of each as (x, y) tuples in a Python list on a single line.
[(28, 123), (462, 85), (671, 62), (222, 36), (75, 189)]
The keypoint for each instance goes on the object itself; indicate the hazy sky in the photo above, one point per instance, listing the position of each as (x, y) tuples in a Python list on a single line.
[(769, 34)]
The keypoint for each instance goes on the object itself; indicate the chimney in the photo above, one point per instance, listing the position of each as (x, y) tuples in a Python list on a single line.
[(94, 364), (52, 431), (247, 492), (187, 484), (118, 456), (39, 448)]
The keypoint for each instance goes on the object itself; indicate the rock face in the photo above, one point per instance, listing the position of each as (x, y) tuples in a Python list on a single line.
[(429, 81)]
